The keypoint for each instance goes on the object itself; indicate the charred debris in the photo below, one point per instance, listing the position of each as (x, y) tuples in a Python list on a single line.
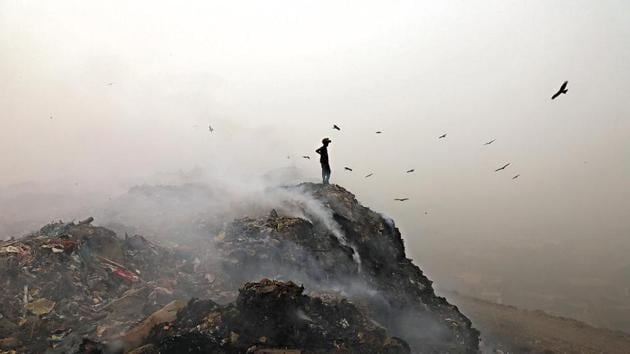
[(80, 288)]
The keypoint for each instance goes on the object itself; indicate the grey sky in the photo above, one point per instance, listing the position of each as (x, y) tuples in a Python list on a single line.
[(273, 76)]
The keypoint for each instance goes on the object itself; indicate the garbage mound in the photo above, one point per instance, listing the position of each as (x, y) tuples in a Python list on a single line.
[(348, 248), (71, 280), (273, 317), (79, 288)]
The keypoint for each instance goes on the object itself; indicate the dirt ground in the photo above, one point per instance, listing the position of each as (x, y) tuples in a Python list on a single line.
[(509, 329)]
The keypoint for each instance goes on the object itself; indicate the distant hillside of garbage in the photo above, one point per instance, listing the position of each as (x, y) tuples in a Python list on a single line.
[(341, 282)]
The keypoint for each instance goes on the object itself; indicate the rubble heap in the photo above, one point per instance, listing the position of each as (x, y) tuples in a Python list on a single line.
[(79, 288), (356, 252), (71, 280), (271, 316)]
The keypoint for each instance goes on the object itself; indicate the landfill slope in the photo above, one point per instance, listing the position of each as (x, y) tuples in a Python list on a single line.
[(80, 288), (355, 251), (299, 323), (69, 281)]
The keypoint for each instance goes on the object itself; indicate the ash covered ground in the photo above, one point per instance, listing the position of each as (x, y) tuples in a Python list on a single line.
[(318, 273)]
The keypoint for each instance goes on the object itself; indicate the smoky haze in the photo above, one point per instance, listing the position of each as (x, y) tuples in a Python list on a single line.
[(99, 97)]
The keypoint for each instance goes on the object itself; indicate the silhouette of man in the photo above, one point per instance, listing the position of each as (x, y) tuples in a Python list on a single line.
[(323, 159)]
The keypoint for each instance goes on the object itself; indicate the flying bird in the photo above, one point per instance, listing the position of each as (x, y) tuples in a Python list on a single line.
[(306, 157), (109, 84), (490, 142), (410, 171), (336, 127), (401, 199), (502, 167), (347, 168), (368, 175), (442, 136), (379, 132), (515, 177), (563, 89), (210, 128)]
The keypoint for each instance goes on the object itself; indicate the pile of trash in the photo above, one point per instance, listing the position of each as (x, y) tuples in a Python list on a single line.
[(73, 280), (272, 317), (354, 252), (80, 288)]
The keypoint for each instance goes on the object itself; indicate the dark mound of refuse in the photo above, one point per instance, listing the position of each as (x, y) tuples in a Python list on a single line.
[(75, 287), (341, 245), (273, 317), (71, 280)]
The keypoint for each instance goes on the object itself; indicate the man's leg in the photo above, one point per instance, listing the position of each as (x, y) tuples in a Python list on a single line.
[(323, 174), (327, 178)]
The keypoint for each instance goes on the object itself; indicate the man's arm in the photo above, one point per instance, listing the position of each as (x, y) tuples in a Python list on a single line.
[(319, 151)]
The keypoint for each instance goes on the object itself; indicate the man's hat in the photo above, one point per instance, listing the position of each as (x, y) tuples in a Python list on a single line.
[(326, 140)]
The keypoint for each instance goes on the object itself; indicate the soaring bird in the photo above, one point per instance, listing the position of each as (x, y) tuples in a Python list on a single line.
[(306, 157), (401, 199), (515, 177), (563, 89), (410, 171), (368, 175), (210, 128), (336, 127), (347, 168), (502, 167), (442, 136), (110, 83), (490, 142), (379, 132)]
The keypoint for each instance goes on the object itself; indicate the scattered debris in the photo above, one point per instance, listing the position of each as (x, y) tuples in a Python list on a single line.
[(70, 280), (40, 306), (137, 335)]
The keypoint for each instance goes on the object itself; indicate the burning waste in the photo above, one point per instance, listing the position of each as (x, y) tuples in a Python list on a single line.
[(272, 317), (80, 288)]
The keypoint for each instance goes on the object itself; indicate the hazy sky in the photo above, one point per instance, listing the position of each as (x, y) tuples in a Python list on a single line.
[(101, 93)]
